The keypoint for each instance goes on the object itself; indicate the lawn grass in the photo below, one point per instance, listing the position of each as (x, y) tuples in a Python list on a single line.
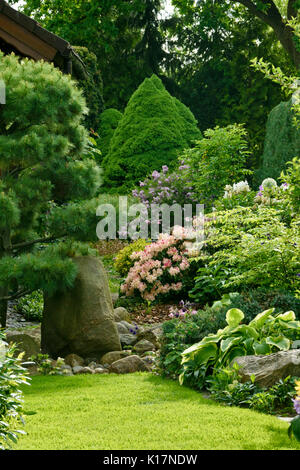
[(139, 411)]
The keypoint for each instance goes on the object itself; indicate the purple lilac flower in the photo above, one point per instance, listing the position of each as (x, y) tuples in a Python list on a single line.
[(155, 175), (297, 405)]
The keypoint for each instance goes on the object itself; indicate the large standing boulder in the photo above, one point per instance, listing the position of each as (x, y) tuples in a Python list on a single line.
[(81, 320), (269, 369)]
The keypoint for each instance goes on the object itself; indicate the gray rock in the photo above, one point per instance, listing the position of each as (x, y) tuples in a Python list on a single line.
[(269, 369), (66, 370), (142, 346), (128, 365), (122, 329), (113, 356), (74, 360), (93, 365), (128, 339), (100, 370), (82, 370), (120, 313), (81, 320), (130, 327), (26, 343), (152, 334)]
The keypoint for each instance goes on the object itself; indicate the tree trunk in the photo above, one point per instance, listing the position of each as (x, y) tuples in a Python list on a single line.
[(3, 307), (272, 17)]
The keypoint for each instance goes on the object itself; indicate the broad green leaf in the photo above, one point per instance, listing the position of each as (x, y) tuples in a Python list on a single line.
[(228, 342), (287, 316), (236, 351), (234, 316), (248, 343), (208, 351), (294, 325), (217, 305), (295, 428), (246, 331), (261, 318), (280, 342), (261, 349), (192, 349)]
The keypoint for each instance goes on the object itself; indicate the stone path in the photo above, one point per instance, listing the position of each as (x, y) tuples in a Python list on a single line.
[(15, 320)]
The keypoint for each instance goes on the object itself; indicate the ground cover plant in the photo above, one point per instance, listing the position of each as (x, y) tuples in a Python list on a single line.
[(153, 413)]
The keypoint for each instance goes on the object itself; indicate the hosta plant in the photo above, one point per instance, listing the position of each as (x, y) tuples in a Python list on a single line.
[(265, 334)]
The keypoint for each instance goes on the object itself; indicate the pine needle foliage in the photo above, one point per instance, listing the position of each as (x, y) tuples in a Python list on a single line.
[(154, 128), (47, 179)]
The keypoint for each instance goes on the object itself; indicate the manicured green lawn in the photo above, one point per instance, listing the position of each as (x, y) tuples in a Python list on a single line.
[(139, 411)]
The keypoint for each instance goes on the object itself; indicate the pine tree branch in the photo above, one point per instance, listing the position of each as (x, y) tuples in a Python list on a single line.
[(16, 296), (20, 246)]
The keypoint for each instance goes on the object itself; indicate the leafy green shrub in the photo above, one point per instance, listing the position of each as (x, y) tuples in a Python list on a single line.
[(47, 366), (282, 141), (31, 306), (247, 247), (109, 121), (150, 134), (180, 333), (226, 387), (263, 335), (12, 377), (253, 301), (217, 160), (291, 177), (123, 261)]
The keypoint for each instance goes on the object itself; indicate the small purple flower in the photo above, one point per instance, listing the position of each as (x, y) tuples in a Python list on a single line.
[(165, 169), (155, 175), (142, 183), (297, 405)]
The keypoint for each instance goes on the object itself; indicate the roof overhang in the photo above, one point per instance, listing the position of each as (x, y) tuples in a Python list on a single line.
[(29, 38)]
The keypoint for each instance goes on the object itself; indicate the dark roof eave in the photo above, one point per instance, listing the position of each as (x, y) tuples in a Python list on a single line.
[(62, 46)]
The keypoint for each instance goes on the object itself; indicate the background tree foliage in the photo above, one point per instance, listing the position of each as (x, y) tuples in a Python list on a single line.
[(201, 51)]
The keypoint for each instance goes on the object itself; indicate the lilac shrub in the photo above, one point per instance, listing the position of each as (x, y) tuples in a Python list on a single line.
[(166, 187)]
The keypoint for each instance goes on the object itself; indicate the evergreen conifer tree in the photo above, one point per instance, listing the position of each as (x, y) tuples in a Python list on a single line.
[(47, 179), (109, 121), (155, 127)]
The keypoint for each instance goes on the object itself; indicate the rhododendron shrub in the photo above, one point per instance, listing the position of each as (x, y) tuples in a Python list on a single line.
[(159, 269)]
